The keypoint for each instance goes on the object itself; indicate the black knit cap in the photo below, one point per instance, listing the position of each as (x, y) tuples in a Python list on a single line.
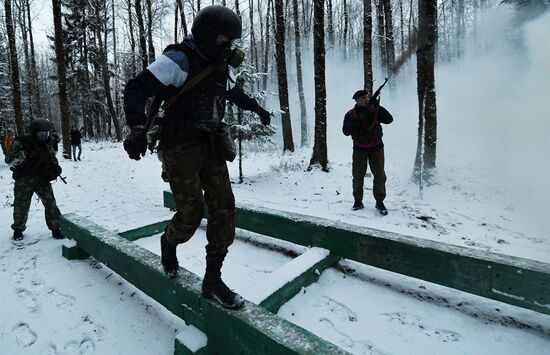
[(360, 93)]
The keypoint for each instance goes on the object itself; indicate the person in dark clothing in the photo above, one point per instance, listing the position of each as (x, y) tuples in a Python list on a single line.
[(34, 165), (76, 142), (363, 123), (195, 170), (55, 140)]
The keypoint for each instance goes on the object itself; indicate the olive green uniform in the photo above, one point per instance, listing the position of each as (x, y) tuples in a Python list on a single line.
[(34, 178), (192, 168)]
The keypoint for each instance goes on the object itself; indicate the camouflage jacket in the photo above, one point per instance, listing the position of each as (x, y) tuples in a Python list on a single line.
[(27, 157)]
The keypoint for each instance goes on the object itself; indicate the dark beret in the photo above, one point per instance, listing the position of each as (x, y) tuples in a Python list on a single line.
[(360, 93)]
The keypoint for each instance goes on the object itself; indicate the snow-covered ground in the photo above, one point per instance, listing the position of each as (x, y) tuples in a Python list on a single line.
[(490, 192)]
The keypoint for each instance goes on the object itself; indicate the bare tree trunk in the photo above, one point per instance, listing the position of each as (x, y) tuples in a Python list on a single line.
[(267, 41), (132, 39), (425, 56), (303, 113), (105, 70), (150, 31), (319, 155), (390, 45), (380, 32), (288, 143), (176, 10), (346, 23), (182, 17), (115, 58), (141, 30), (367, 45), (330, 25), (61, 79), (14, 69), (34, 73), (29, 104)]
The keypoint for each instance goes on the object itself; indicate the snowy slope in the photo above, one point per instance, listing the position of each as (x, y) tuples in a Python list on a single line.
[(491, 193)]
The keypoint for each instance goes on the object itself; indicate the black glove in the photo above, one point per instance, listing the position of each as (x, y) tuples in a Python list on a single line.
[(373, 105), (136, 143), (265, 116), (54, 171)]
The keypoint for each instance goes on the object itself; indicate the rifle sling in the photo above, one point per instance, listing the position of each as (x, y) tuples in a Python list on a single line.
[(155, 105)]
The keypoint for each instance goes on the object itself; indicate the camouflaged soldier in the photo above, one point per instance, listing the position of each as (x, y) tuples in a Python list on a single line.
[(34, 165), (191, 159)]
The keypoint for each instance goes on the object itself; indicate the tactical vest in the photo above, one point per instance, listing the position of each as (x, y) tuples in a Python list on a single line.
[(38, 162), (203, 105)]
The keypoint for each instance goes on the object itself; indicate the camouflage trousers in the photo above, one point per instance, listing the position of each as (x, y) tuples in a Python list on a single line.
[(375, 161), (192, 169), (25, 187)]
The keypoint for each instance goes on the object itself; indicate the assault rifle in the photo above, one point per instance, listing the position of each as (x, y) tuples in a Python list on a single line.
[(374, 97)]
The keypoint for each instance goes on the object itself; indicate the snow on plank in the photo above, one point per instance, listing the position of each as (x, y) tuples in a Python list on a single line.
[(516, 281), (245, 330)]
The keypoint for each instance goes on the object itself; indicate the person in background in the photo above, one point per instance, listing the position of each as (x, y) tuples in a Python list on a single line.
[(76, 142), (34, 165), (8, 141), (363, 123), (54, 139)]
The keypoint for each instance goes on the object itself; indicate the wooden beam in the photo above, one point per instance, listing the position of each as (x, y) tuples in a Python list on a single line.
[(252, 329), (281, 285), (516, 281)]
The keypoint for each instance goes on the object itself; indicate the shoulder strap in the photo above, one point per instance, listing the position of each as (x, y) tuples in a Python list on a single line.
[(189, 84)]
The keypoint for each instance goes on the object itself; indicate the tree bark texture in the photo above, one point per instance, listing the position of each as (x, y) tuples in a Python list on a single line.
[(288, 143), (319, 155), (425, 56), (367, 45), (14, 68), (34, 72), (150, 31), (105, 73), (61, 79), (390, 45), (298, 51), (141, 34)]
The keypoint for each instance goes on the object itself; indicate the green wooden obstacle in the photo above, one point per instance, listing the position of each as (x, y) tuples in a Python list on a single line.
[(251, 330), (517, 281)]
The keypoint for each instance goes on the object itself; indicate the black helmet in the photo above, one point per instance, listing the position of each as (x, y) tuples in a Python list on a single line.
[(40, 124), (211, 22)]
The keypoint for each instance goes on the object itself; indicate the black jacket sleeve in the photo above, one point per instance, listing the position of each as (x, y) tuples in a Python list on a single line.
[(350, 126), (237, 96), (136, 93), (384, 116)]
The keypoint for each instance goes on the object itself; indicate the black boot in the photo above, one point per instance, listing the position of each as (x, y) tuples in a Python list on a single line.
[(168, 257), (56, 233), (214, 288), (381, 208), (358, 205), (17, 235)]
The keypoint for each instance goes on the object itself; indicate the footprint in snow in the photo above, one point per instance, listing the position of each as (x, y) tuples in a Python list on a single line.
[(28, 300), (342, 311), (62, 301), (356, 346), (86, 346), (24, 336)]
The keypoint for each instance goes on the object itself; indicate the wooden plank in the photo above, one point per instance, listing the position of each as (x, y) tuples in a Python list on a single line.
[(191, 341), (517, 281), (251, 330), (74, 253), (283, 284), (143, 232)]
